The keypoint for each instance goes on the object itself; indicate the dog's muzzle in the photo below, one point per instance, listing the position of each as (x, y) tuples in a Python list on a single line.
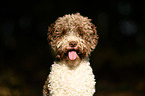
[(72, 53), (73, 43)]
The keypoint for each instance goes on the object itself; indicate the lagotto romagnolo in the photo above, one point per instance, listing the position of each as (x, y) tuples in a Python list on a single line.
[(73, 37)]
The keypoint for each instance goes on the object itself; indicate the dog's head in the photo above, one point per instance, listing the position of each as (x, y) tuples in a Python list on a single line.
[(72, 37)]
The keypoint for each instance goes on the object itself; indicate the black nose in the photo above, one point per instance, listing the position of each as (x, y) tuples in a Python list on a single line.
[(73, 43)]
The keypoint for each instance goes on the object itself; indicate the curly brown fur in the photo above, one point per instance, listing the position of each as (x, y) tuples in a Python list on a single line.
[(80, 26), (45, 88)]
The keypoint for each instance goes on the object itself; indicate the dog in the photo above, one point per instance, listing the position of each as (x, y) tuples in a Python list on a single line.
[(72, 37)]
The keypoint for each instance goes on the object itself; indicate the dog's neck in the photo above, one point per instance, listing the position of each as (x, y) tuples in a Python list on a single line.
[(72, 64), (66, 81)]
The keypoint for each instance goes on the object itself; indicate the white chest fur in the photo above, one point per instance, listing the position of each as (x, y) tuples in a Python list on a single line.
[(64, 81)]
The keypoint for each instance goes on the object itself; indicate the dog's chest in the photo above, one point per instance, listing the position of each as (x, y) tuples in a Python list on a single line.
[(64, 81)]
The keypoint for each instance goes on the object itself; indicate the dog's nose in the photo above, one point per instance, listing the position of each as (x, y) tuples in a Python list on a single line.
[(73, 43)]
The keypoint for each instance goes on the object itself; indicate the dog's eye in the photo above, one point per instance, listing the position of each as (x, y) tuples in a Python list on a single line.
[(63, 31), (80, 31), (60, 33)]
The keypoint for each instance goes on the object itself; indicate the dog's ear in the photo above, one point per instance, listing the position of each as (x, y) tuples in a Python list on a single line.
[(94, 37), (50, 34)]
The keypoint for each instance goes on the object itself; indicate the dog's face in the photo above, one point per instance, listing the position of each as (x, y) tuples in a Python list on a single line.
[(72, 37)]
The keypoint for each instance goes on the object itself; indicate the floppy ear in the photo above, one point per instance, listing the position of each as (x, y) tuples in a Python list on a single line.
[(50, 34), (94, 37)]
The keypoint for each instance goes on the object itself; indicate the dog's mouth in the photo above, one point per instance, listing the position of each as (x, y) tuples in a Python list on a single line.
[(72, 54)]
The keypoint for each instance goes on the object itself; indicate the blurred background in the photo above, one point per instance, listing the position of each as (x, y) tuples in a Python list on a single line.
[(118, 61)]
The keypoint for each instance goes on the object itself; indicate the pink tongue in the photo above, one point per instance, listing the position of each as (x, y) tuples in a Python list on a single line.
[(72, 55)]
